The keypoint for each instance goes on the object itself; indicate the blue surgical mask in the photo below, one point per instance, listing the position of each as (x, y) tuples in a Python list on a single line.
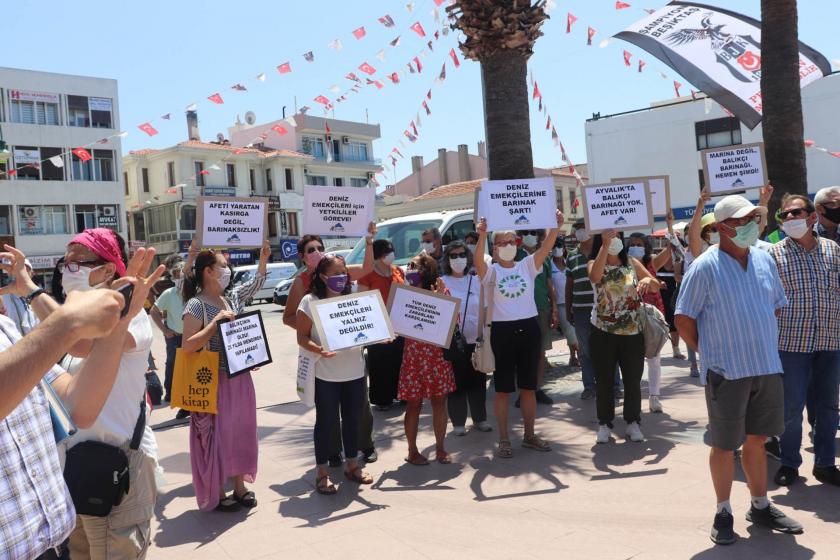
[(636, 252), (746, 235)]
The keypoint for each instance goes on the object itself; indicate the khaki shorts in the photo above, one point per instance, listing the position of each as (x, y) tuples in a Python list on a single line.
[(740, 407), (544, 319)]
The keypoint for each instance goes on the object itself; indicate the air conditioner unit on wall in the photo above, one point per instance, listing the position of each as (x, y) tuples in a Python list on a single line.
[(30, 211), (108, 211), (345, 139)]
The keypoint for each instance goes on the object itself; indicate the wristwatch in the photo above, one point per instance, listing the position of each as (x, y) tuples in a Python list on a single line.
[(35, 293)]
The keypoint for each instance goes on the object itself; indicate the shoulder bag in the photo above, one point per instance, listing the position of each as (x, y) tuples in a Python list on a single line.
[(483, 359), (654, 327), (457, 351)]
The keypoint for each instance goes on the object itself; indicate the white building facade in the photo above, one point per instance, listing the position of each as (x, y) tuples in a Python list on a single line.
[(161, 186), (42, 116), (666, 139)]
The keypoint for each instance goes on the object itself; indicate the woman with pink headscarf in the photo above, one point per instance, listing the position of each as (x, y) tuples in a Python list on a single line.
[(94, 259)]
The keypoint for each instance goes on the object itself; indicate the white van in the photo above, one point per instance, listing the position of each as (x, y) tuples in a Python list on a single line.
[(275, 273), (405, 233)]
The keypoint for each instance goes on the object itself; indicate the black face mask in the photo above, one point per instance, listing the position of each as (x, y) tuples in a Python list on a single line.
[(832, 214)]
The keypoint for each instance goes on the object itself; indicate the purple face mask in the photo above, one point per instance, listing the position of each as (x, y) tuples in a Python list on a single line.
[(336, 283), (413, 277)]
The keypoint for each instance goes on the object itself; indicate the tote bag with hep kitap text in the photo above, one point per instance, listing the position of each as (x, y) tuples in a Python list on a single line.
[(195, 379), (306, 376)]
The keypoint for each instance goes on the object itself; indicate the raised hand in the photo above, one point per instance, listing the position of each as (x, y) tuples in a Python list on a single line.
[(136, 273), (12, 262), (93, 313), (371, 231), (481, 228), (265, 251), (560, 218)]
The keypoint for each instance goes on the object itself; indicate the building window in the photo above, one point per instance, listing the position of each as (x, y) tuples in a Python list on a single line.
[(198, 166), (269, 185), (315, 180), (288, 223), (145, 178), (231, 175), (313, 147), (85, 217), (42, 220), (338, 182), (5, 220), (188, 218), (336, 149), (718, 133), (356, 151), (100, 112), (103, 165), (272, 224), (289, 184), (27, 163), (82, 170), (252, 180), (358, 182), (31, 107), (78, 112), (170, 173), (50, 171), (125, 183), (160, 220)]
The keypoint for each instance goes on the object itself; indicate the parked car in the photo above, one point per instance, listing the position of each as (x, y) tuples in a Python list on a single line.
[(275, 272), (281, 290)]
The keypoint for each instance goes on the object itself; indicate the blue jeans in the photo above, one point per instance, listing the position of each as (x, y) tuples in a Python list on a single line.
[(583, 327), (801, 369), (172, 344)]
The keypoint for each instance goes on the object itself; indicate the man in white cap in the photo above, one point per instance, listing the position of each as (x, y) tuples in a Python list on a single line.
[(18, 310), (727, 309)]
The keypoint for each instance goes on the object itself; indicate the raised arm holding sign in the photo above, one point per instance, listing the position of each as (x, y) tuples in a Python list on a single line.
[(227, 221), (337, 210), (517, 204), (734, 168), (623, 205)]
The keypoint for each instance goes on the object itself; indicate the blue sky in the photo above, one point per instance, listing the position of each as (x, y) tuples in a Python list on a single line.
[(168, 54)]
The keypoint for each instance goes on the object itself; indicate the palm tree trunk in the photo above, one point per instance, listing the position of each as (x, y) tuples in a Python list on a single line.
[(507, 125), (782, 100)]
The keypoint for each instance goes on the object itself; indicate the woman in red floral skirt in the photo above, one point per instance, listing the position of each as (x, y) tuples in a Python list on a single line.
[(425, 374)]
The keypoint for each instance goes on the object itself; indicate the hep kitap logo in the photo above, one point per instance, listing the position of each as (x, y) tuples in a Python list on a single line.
[(233, 239), (522, 220), (337, 228), (512, 286), (204, 376)]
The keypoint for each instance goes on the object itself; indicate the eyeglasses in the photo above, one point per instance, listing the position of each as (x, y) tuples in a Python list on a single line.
[(71, 266), (503, 243), (530, 232), (795, 212), (310, 250), (458, 255), (735, 222)]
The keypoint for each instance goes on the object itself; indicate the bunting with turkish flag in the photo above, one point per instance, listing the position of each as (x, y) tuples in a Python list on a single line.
[(537, 94), (414, 128), (82, 154), (353, 76), (418, 28), (322, 100), (426, 107), (279, 129), (360, 32), (148, 129), (367, 68), (642, 64), (419, 66), (589, 34), (454, 56), (387, 21), (309, 56), (216, 98), (284, 68), (627, 56), (570, 20), (621, 5), (677, 87), (394, 77)]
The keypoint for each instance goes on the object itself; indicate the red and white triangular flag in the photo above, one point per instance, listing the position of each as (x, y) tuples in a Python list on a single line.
[(621, 5), (148, 129), (367, 68), (589, 34), (216, 98), (454, 56), (285, 68), (627, 56), (359, 32), (570, 21), (418, 28)]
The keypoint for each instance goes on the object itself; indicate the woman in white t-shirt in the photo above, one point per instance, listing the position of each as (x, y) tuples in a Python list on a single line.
[(339, 378), (515, 334)]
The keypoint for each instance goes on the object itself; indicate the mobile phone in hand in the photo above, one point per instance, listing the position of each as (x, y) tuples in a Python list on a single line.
[(127, 291)]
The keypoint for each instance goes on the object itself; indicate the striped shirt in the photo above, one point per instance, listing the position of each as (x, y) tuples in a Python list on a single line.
[(36, 512), (735, 313), (583, 296), (811, 279)]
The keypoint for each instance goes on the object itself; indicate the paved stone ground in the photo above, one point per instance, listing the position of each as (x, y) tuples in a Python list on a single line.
[(623, 500)]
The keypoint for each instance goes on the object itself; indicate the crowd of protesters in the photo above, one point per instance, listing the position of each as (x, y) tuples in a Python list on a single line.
[(760, 321)]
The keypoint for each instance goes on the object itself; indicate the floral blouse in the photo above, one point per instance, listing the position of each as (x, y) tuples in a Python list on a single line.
[(617, 302)]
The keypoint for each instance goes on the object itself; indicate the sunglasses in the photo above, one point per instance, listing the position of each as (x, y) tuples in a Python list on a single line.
[(530, 232), (71, 266), (458, 255), (795, 212), (310, 250)]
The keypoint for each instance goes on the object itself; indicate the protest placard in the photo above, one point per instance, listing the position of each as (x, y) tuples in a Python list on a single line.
[(337, 210), (734, 168), (228, 221), (619, 206), (244, 342), (423, 315), (517, 204), (660, 191), (353, 320)]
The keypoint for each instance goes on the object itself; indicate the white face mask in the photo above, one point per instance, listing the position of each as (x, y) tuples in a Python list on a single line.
[(507, 252), (529, 240), (616, 245), (796, 228), (458, 264), (471, 248), (558, 252), (224, 279), (78, 281), (714, 238), (428, 247), (636, 252), (388, 259), (582, 235), (179, 283)]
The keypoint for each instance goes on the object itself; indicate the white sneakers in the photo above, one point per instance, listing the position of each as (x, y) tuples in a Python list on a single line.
[(459, 431), (603, 434), (634, 433), (654, 403), (484, 426)]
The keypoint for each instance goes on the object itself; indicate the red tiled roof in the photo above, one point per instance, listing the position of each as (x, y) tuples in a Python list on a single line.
[(145, 152), (229, 148), (452, 189)]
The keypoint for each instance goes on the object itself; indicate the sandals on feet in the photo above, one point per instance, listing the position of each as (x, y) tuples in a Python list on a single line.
[(247, 500), (536, 442), (227, 504), (359, 476), (505, 450), (443, 458), (326, 489), (417, 460)]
